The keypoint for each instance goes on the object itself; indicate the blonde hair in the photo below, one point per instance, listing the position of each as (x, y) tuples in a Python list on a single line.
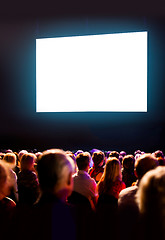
[(112, 172)]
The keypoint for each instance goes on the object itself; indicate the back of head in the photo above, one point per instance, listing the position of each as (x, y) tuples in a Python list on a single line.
[(112, 172), (151, 199), (21, 153), (53, 167), (161, 161), (137, 152), (145, 163), (83, 160), (160, 157), (122, 153), (112, 169), (152, 189), (98, 157), (27, 161), (71, 154), (114, 154), (158, 154), (128, 162), (10, 158)]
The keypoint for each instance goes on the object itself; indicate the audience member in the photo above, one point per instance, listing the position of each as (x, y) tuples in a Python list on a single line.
[(128, 208), (111, 181), (83, 183), (62, 194), (28, 186), (123, 153), (109, 188), (11, 158), (21, 153), (128, 175), (2, 155), (158, 153), (97, 170), (83, 197), (114, 154), (71, 154), (17, 167), (160, 157), (151, 199), (51, 218), (7, 205)]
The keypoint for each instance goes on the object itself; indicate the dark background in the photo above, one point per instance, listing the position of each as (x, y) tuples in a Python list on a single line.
[(21, 22)]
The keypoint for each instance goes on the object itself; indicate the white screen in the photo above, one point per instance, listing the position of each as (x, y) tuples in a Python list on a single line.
[(105, 72)]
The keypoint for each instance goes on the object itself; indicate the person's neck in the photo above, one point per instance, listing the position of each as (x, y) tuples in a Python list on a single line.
[(62, 195), (85, 170)]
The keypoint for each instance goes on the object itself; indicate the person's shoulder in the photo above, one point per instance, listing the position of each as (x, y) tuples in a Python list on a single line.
[(128, 190), (127, 199), (91, 179), (91, 170), (75, 175), (9, 202), (13, 174), (33, 174)]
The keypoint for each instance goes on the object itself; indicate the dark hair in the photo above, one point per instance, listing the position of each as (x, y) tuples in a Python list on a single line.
[(158, 154), (114, 154), (128, 162), (83, 160), (98, 157)]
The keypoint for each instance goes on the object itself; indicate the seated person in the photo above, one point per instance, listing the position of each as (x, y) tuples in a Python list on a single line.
[(28, 185), (7, 205), (109, 188), (51, 217), (97, 170), (127, 197), (127, 204), (83, 183), (150, 199), (11, 158), (160, 157), (114, 154), (128, 175), (111, 181)]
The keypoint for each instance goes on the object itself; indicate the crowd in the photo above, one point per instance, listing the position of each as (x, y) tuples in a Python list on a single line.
[(57, 194)]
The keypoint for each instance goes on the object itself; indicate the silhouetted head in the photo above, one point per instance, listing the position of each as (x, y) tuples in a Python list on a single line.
[(145, 163), (83, 160), (98, 158), (55, 169)]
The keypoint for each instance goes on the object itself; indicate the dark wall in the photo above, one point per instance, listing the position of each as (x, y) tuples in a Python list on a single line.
[(21, 127)]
